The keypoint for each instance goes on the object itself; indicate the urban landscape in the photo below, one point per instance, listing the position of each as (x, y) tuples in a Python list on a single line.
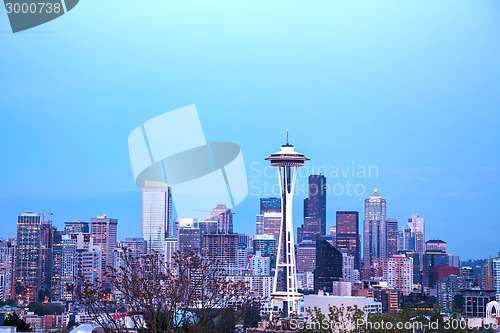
[(366, 260), (226, 166)]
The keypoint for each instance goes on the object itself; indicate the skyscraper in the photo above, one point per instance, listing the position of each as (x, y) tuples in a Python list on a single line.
[(414, 234), (287, 160), (398, 272), (310, 228), (224, 217), (306, 255), (392, 237), (27, 261), (103, 233), (189, 239), (270, 205), (266, 246), (347, 235), (7, 255), (46, 242), (272, 224), (156, 214), (76, 227), (328, 265), (315, 203), (136, 245), (375, 234), (222, 247), (65, 267)]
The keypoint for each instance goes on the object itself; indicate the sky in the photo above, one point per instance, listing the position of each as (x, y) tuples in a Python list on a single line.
[(409, 88)]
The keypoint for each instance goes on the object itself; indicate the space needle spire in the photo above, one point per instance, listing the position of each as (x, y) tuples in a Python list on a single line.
[(286, 160)]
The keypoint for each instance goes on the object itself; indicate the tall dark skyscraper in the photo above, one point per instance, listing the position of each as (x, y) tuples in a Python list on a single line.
[(46, 246), (392, 237), (27, 278), (328, 265), (347, 235), (315, 204), (270, 205)]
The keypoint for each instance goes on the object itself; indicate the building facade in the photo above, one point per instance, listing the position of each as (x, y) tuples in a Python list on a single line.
[(156, 215), (348, 236), (375, 234)]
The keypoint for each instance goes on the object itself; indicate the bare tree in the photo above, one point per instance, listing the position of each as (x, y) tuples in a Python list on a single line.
[(190, 293)]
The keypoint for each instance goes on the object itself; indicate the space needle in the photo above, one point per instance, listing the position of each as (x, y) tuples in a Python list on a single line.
[(287, 160)]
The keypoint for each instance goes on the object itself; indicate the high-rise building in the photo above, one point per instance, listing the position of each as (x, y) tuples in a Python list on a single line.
[(333, 234), (270, 205), (207, 227), (435, 245), (103, 233), (310, 228), (271, 223), (27, 261), (91, 264), (76, 227), (392, 237), (65, 266), (170, 249), (347, 235), (431, 260), (156, 214), (315, 203), (495, 269), (349, 271), (398, 272), (306, 255), (222, 247), (266, 246), (46, 241), (136, 246), (224, 219), (417, 227), (260, 265), (328, 265), (375, 234), (241, 257), (7, 255), (287, 160), (448, 287), (189, 239)]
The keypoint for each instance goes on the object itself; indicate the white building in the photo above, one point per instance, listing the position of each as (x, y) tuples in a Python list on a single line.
[(92, 264), (347, 267), (170, 249), (260, 265), (261, 285), (305, 281), (184, 222), (398, 273), (156, 214), (341, 288), (324, 302)]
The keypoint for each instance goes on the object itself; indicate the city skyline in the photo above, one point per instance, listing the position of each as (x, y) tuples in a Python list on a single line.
[(419, 86)]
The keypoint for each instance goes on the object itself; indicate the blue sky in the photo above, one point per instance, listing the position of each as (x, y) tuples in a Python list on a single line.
[(411, 87)]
